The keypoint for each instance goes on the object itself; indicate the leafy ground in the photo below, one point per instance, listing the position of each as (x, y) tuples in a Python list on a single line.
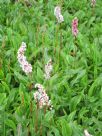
[(75, 87)]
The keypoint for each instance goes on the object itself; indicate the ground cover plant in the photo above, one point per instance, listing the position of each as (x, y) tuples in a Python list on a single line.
[(51, 68)]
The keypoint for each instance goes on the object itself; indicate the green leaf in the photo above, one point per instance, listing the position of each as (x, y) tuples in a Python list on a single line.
[(8, 78), (1, 75), (5, 86), (74, 102), (71, 116), (3, 100), (49, 116), (96, 83), (11, 124), (55, 131), (66, 128), (20, 77)]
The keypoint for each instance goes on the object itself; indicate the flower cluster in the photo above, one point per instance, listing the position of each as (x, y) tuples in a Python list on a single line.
[(93, 3), (57, 13), (26, 67), (74, 26), (41, 97), (86, 133), (48, 69)]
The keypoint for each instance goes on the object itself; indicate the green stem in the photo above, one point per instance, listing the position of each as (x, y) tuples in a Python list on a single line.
[(56, 38), (43, 38), (59, 54), (36, 122)]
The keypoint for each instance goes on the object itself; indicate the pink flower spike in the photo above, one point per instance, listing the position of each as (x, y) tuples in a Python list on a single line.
[(93, 3), (48, 69), (26, 67), (57, 11), (75, 26), (41, 97)]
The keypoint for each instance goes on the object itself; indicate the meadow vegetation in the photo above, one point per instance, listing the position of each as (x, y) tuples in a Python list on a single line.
[(66, 68)]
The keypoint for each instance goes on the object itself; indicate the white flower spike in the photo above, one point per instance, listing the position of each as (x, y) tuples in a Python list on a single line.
[(57, 13), (48, 69), (41, 97), (26, 67)]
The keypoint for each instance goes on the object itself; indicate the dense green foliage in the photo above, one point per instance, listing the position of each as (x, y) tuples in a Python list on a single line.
[(75, 87)]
